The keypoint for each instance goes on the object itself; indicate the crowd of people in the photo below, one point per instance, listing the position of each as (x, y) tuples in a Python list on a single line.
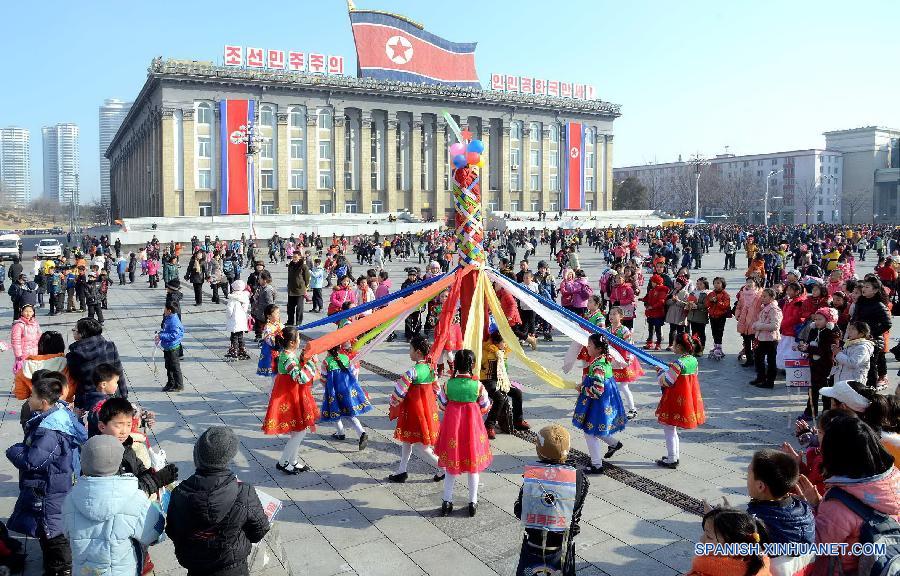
[(803, 302)]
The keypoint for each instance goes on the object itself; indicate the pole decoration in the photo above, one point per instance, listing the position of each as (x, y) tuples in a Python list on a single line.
[(467, 160)]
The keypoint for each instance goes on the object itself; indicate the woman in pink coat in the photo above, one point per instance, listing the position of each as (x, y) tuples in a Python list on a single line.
[(25, 335), (575, 292), (622, 295), (746, 312)]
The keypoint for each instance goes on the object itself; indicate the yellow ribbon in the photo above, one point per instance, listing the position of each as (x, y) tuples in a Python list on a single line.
[(474, 335), (513, 341)]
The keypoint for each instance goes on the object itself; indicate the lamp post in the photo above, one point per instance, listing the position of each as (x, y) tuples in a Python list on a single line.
[(698, 163), (766, 198), (249, 136)]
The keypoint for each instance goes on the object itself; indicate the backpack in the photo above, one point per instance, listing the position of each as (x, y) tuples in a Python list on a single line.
[(876, 528)]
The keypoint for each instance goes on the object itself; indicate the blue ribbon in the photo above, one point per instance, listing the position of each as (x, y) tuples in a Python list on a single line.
[(641, 354), (373, 304)]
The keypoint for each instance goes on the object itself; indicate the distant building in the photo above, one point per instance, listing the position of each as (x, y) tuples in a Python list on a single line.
[(61, 163), (804, 189), (15, 166), (871, 172), (112, 112)]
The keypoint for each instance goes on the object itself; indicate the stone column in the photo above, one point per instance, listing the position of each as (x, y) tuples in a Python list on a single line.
[(190, 170), (418, 193), (167, 190), (282, 155), (441, 193), (339, 157), (216, 163), (365, 163), (311, 165), (546, 194), (390, 186), (505, 170), (607, 172)]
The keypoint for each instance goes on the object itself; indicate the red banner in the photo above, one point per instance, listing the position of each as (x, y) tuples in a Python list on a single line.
[(574, 166), (234, 119)]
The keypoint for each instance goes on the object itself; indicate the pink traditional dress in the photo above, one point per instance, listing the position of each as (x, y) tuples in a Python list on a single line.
[(462, 444), (630, 370)]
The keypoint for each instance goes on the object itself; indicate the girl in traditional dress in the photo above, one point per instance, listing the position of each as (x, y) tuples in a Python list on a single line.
[(414, 405), (599, 412), (344, 396), (629, 369), (462, 444), (292, 409), (267, 349), (681, 405)]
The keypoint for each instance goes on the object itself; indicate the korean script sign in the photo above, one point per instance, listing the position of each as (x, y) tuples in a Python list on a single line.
[(235, 56), (541, 86)]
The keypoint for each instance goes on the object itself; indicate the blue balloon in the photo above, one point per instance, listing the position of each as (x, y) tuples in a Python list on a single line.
[(476, 146), (459, 161)]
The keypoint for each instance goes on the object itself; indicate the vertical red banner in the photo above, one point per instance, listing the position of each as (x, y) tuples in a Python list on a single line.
[(574, 166), (234, 115)]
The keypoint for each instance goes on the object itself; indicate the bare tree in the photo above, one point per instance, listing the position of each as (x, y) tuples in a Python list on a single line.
[(805, 197), (855, 201), (656, 190)]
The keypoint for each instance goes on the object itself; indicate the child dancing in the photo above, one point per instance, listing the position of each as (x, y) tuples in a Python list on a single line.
[(630, 370), (292, 409), (344, 396), (681, 405), (599, 412), (267, 349), (414, 407)]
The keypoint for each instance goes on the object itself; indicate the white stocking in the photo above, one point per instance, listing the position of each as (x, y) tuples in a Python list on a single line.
[(356, 425), (406, 450), (610, 440), (289, 454), (339, 427), (427, 454), (594, 449), (473, 487), (672, 444), (627, 396), (449, 481)]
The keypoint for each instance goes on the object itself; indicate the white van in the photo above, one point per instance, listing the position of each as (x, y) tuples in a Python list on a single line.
[(10, 246)]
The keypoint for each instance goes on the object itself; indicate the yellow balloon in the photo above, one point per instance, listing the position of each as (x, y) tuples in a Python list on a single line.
[(481, 163)]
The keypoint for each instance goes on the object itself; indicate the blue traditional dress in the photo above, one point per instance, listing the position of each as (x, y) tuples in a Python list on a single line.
[(344, 396), (268, 354), (599, 410)]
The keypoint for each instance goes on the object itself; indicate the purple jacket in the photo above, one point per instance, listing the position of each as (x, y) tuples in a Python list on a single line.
[(575, 293)]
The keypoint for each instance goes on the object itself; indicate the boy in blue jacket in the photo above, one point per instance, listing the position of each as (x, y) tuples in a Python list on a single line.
[(49, 464), (169, 339)]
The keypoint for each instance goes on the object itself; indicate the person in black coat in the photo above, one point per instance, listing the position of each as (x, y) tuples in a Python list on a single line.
[(88, 351), (213, 519), (871, 308), (553, 551), (197, 274)]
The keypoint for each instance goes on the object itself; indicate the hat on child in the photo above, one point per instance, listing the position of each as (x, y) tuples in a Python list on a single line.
[(238, 286), (553, 443), (843, 393), (656, 279), (215, 448), (830, 314), (174, 284), (101, 456)]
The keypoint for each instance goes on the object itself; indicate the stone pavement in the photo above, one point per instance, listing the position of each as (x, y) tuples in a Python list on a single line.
[(343, 517)]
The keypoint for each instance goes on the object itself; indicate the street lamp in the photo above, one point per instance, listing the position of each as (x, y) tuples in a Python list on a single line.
[(766, 198), (698, 163), (247, 134)]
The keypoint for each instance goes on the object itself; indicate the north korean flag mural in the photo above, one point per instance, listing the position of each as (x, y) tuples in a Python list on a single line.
[(574, 163), (234, 117), (389, 47)]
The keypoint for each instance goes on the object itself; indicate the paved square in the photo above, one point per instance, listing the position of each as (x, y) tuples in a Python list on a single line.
[(343, 517)]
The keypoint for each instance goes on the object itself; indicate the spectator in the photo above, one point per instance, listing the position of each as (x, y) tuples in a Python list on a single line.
[(88, 351)]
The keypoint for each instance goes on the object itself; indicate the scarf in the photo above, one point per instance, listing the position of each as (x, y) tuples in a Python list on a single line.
[(503, 383)]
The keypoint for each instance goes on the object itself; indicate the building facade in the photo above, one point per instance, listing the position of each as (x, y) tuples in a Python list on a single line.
[(15, 166), (871, 173), (112, 112), (333, 144), (61, 163), (804, 186)]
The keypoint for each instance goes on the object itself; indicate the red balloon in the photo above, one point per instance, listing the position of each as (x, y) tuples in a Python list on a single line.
[(473, 157)]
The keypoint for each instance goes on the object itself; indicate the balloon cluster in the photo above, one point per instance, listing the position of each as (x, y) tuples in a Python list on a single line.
[(467, 154)]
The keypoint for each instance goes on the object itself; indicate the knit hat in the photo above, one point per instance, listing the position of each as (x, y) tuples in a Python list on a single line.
[(174, 284), (656, 279), (830, 314), (238, 286), (101, 456), (843, 393), (553, 443), (215, 448)]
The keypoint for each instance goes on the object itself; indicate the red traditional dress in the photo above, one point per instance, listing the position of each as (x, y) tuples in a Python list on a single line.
[(462, 444), (291, 404), (681, 404), (414, 405), (631, 370)]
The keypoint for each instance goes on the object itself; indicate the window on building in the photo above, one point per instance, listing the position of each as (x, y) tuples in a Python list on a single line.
[(554, 206), (759, 173), (204, 149), (589, 205), (204, 113), (554, 134), (589, 160), (820, 216), (350, 206), (205, 208), (535, 182), (554, 183), (535, 206), (535, 135), (325, 179), (492, 206), (376, 206), (514, 158), (204, 179), (297, 118), (534, 159), (325, 207), (268, 208), (325, 150), (298, 179), (267, 179), (267, 116), (589, 183), (554, 160), (774, 162), (515, 182), (514, 205), (589, 137), (266, 148), (821, 169), (297, 148), (296, 208), (515, 131), (759, 162)]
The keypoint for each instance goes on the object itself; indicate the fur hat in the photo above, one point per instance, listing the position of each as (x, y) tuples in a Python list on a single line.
[(553, 443), (101, 456), (656, 279), (215, 448)]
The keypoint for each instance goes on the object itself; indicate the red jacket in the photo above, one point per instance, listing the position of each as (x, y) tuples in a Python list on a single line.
[(792, 316), (655, 302), (510, 307), (718, 304), (811, 304)]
